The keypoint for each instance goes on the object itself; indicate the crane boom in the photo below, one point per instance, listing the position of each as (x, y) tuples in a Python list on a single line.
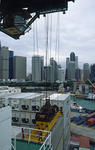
[(91, 83)]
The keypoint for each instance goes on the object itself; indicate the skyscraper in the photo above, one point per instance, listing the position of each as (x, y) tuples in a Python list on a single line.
[(54, 74), (67, 64), (71, 65), (92, 75), (78, 74), (37, 68), (19, 67), (61, 75), (11, 54), (48, 73), (72, 56), (71, 71), (4, 63), (86, 71), (76, 62)]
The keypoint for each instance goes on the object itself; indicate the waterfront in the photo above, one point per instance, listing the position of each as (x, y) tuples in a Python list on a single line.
[(84, 103)]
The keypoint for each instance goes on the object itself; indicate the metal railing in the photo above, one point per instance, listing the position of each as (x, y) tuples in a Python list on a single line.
[(26, 134)]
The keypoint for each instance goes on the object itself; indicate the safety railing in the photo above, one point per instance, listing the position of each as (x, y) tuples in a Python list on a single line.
[(34, 135)]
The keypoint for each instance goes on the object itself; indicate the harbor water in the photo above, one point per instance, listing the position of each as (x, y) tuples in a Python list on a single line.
[(88, 104)]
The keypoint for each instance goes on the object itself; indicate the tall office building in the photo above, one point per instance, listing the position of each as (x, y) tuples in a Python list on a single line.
[(37, 68), (72, 56), (54, 74), (76, 62), (86, 71), (71, 66), (61, 75), (71, 71), (48, 73), (19, 67), (11, 54), (78, 74), (67, 64), (92, 74), (4, 63)]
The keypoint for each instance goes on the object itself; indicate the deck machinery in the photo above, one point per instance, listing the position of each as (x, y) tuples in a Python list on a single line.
[(44, 121), (16, 16)]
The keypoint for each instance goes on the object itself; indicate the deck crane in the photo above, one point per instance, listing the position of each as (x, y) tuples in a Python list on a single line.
[(93, 85), (16, 16)]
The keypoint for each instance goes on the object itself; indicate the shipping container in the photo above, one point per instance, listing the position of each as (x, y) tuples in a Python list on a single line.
[(75, 139), (92, 115), (84, 142), (91, 121)]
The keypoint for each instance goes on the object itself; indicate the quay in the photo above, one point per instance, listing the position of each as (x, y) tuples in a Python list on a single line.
[(82, 130)]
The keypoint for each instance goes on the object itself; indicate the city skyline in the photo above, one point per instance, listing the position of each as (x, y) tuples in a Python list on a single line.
[(63, 65), (81, 40)]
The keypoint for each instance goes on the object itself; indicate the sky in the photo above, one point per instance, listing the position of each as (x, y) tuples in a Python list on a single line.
[(74, 31)]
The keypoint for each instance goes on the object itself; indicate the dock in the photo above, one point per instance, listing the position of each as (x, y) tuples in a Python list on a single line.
[(82, 130)]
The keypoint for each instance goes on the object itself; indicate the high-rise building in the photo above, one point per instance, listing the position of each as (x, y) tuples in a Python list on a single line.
[(67, 64), (86, 71), (78, 74), (19, 67), (11, 54), (92, 74), (61, 75), (4, 63), (71, 71), (76, 62), (54, 74), (37, 68), (48, 73), (72, 56)]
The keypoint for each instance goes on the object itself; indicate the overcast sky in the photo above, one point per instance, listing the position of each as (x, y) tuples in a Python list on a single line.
[(76, 30)]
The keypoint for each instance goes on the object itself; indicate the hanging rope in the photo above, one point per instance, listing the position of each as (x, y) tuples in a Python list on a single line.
[(37, 44), (34, 38), (47, 32), (58, 42), (57, 36), (50, 34)]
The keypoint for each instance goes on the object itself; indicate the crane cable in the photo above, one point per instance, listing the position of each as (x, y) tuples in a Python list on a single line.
[(57, 36), (50, 34), (37, 42), (47, 33)]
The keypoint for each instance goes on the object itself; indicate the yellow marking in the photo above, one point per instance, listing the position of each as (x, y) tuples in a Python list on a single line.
[(38, 136), (12, 31)]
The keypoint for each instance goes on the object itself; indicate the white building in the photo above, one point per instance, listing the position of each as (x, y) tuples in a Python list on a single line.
[(4, 63), (61, 75), (37, 68), (19, 67)]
